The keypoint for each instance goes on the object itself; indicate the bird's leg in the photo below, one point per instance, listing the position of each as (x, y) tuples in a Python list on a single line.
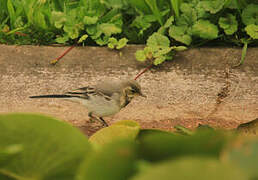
[(103, 121), (93, 118)]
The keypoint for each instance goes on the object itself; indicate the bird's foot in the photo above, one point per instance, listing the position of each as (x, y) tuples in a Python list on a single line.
[(94, 118), (103, 122)]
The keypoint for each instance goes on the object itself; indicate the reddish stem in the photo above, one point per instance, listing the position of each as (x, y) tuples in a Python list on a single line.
[(57, 59), (147, 68), (21, 34)]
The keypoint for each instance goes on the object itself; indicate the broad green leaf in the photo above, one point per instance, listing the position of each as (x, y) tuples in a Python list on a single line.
[(119, 130), (188, 16), (191, 168), (161, 146), (229, 24), (168, 23), (62, 39), (112, 42), (159, 60), (244, 153), (72, 31), (140, 55), (83, 38), (147, 132), (88, 20), (179, 48), (179, 33), (101, 40), (252, 31), (205, 29), (143, 22), (51, 149), (112, 162), (212, 6), (162, 51), (121, 43), (9, 152), (148, 51), (157, 39), (250, 14), (109, 29), (39, 20), (58, 18)]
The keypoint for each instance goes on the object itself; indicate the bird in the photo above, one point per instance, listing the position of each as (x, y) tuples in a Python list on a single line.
[(104, 99)]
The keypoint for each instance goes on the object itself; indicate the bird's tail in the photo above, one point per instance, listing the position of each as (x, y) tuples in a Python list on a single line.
[(52, 96)]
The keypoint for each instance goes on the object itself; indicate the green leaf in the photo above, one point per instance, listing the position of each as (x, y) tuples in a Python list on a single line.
[(9, 152), (188, 16), (83, 38), (161, 146), (39, 20), (140, 6), (229, 24), (205, 29), (155, 10), (250, 14), (109, 29), (252, 31), (51, 149), (162, 51), (179, 48), (121, 43), (62, 39), (179, 33), (58, 18), (244, 153), (72, 31), (157, 39), (101, 40), (140, 55), (112, 42), (159, 60), (175, 5), (11, 12), (112, 162), (162, 29), (212, 6), (120, 130), (191, 168), (143, 22), (88, 20)]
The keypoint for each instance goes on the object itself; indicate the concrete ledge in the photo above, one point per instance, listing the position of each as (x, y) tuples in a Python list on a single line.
[(198, 86)]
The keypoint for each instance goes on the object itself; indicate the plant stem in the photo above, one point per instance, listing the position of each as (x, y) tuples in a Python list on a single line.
[(147, 68)]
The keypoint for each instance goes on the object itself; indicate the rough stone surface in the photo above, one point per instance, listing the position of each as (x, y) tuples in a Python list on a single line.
[(198, 86)]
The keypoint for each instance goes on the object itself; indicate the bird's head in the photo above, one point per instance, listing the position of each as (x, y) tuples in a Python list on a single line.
[(131, 89)]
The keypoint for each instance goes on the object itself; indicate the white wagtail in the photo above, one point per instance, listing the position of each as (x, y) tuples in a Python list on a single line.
[(104, 99)]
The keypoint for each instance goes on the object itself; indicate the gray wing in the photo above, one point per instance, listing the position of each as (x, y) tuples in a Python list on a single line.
[(88, 91)]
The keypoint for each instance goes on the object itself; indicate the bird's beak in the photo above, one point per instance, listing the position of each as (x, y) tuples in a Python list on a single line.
[(142, 95)]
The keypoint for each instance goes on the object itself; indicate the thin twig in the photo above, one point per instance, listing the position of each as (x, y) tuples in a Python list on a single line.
[(57, 59)]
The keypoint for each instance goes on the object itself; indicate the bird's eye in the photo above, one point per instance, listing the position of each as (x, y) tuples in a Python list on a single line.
[(133, 91)]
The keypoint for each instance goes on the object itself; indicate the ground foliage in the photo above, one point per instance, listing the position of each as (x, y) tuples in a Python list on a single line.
[(38, 147), (166, 26)]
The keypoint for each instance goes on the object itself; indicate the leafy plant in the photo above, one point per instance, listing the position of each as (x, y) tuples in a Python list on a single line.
[(46, 148), (112, 22), (40, 147)]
